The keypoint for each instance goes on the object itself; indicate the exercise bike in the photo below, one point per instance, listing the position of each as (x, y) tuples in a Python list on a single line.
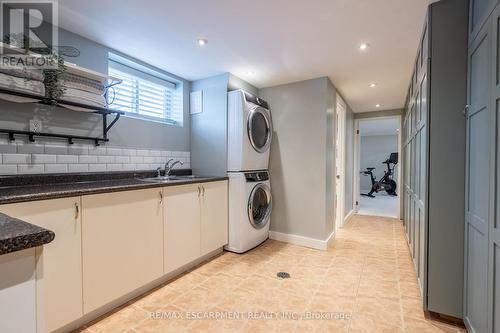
[(385, 183)]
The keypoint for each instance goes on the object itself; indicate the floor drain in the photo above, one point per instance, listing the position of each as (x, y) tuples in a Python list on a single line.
[(283, 275)]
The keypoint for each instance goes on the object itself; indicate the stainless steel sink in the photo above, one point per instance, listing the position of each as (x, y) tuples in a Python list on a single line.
[(160, 179), (166, 179)]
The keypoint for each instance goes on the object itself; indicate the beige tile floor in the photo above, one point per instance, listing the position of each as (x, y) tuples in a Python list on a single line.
[(365, 282)]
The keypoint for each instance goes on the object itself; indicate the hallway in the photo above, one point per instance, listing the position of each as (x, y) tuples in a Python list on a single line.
[(364, 283)]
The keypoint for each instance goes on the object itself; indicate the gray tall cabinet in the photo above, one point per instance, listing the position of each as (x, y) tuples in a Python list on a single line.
[(482, 230), (434, 157)]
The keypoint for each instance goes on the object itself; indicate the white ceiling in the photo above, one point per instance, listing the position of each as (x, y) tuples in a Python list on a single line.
[(382, 126), (280, 41)]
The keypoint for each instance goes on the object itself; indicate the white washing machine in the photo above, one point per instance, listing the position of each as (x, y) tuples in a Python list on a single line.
[(250, 132), (250, 206)]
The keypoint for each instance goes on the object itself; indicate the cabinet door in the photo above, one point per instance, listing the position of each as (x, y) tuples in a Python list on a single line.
[(122, 244), (182, 225), (59, 267), (479, 180), (214, 227)]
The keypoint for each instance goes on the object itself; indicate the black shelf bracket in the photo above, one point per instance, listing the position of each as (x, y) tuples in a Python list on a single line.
[(63, 104)]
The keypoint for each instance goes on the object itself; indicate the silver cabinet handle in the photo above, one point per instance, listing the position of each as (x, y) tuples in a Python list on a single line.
[(77, 210), (466, 109), (199, 191), (203, 193), (161, 197)]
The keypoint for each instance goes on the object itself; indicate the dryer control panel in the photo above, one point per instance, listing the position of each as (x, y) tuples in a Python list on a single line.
[(257, 176)]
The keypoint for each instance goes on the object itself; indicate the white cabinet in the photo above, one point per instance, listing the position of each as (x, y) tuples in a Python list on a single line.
[(122, 244), (17, 292), (214, 216), (182, 225), (195, 222), (59, 266)]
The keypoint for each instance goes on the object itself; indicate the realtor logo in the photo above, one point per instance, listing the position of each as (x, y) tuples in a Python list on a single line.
[(28, 27)]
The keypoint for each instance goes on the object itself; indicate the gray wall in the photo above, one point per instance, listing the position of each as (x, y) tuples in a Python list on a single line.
[(298, 163), (128, 132), (374, 150), (349, 162), (209, 128)]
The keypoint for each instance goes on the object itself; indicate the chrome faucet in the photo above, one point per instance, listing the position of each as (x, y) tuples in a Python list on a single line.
[(169, 167)]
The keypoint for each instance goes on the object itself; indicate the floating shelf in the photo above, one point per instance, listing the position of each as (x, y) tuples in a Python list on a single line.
[(61, 103)]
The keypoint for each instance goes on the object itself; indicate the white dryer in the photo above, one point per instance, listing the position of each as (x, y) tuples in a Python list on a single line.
[(250, 132), (250, 206)]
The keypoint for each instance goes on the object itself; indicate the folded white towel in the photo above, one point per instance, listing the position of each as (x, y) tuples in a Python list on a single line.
[(94, 89), (31, 74), (83, 97), (22, 85)]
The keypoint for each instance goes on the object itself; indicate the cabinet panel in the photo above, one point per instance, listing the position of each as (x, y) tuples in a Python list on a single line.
[(479, 12), (122, 242), (478, 184), (214, 221), (59, 268), (182, 225)]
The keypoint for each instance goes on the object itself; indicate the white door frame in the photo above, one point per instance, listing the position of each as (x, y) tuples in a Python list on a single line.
[(357, 158), (340, 118)]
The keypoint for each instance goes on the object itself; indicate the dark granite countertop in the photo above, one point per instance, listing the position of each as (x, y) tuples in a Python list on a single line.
[(41, 187), (17, 235)]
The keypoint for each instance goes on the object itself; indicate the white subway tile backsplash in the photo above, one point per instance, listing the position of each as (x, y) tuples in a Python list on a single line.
[(66, 159), (87, 159), (129, 152), (30, 148), (106, 159), (137, 159), (142, 166), (114, 151), (8, 169), (43, 159), (122, 159), (30, 168), (16, 158), (97, 151), (78, 167), (97, 167), (56, 149), (48, 157), (114, 167), (56, 168), (78, 149), (128, 167)]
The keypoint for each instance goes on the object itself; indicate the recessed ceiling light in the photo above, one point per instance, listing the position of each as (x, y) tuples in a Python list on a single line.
[(364, 46), (377, 105), (250, 73), (202, 41), (373, 85), (397, 129)]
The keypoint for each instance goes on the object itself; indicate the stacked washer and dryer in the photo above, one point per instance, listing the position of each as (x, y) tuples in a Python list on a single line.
[(250, 133)]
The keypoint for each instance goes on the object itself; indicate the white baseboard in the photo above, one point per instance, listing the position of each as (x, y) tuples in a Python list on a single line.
[(348, 217), (313, 243)]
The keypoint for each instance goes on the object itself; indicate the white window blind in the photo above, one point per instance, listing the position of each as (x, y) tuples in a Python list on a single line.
[(143, 95)]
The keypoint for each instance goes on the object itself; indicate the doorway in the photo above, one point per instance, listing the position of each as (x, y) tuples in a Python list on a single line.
[(340, 120), (377, 166)]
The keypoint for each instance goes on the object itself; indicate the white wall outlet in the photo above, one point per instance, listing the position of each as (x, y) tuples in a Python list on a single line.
[(35, 125)]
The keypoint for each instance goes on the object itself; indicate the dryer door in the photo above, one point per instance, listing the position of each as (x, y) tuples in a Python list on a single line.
[(260, 206), (260, 129)]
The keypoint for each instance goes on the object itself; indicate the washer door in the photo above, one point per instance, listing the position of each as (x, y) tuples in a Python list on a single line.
[(260, 206), (260, 129)]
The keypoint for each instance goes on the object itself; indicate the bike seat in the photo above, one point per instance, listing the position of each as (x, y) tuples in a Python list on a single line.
[(370, 169)]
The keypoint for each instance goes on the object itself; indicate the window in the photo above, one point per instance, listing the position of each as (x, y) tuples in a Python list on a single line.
[(144, 95)]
